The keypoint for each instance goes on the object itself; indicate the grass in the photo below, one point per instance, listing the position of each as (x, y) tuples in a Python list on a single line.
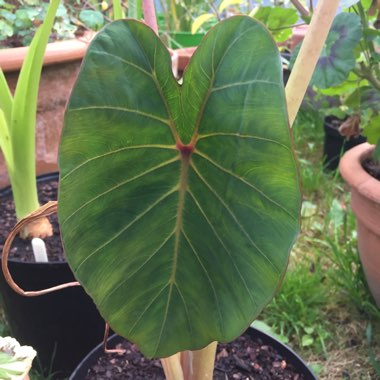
[(324, 309)]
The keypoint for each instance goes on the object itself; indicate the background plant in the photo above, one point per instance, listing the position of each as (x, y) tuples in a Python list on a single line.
[(19, 19), (18, 123), (17, 127), (278, 17), (348, 72), (325, 260)]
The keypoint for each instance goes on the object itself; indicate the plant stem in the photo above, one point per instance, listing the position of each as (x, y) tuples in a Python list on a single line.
[(23, 129), (150, 14), (366, 73), (117, 10), (199, 364), (300, 8), (172, 367), (308, 56)]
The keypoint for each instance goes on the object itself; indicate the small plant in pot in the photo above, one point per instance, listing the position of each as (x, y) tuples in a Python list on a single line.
[(346, 80), (179, 204)]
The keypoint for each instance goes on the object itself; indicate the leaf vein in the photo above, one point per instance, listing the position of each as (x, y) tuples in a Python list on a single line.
[(209, 280), (131, 147), (243, 180), (113, 188), (234, 217), (124, 109), (137, 67), (146, 309), (224, 246), (126, 227), (231, 85), (150, 257), (238, 135)]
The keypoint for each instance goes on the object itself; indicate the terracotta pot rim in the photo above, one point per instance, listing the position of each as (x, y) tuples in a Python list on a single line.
[(11, 59), (352, 171)]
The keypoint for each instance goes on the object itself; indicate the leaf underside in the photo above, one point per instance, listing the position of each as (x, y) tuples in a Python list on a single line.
[(179, 204)]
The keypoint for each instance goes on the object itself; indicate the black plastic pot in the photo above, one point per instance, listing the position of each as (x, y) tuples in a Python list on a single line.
[(62, 326), (335, 144), (291, 357)]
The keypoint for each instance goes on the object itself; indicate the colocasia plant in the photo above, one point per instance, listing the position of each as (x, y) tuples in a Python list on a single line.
[(179, 204)]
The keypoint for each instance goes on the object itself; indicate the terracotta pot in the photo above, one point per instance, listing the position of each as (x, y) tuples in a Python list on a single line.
[(365, 202), (61, 66)]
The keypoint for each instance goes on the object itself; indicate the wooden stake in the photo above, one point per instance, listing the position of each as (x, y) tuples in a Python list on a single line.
[(309, 54)]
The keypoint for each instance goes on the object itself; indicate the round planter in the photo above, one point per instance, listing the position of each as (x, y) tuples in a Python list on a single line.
[(62, 326), (365, 202), (334, 144), (291, 357), (61, 66)]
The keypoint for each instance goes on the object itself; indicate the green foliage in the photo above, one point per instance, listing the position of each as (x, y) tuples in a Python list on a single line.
[(296, 313), (337, 58), (191, 166), (20, 19), (276, 18), (18, 120), (178, 16), (372, 357), (349, 70), (348, 273), (93, 19)]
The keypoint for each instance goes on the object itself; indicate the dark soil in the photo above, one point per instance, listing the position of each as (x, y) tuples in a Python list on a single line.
[(22, 249), (244, 359), (372, 167)]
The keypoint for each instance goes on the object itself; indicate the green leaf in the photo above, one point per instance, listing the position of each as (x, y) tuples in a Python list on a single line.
[(337, 58), (5, 141), (372, 130), (352, 83), (179, 210), (307, 340), (24, 110), (93, 19), (6, 99), (227, 3), (200, 20), (278, 20), (309, 330)]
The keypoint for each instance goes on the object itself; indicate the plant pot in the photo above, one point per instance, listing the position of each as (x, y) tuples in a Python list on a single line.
[(61, 66), (62, 326), (365, 203), (267, 340), (335, 144)]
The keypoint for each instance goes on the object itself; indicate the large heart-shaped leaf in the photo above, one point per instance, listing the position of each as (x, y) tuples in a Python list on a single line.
[(179, 204)]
